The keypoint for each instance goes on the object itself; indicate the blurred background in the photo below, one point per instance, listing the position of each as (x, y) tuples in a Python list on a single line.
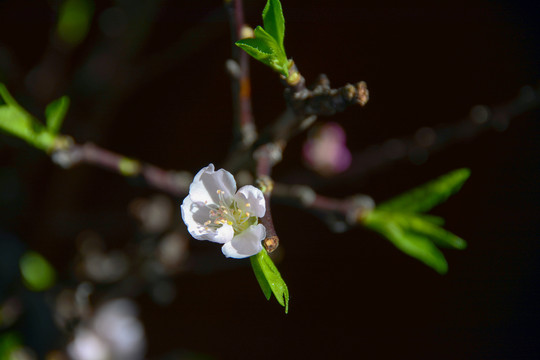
[(147, 79)]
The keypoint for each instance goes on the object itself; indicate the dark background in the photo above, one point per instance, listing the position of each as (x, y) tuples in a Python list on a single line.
[(352, 294)]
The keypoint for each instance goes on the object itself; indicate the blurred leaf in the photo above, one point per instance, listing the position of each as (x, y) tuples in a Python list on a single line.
[(37, 273), (18, 122), (435, 233), (9, 343), (74, 20), (426, 196), (435, 220), (411, 243), (269, 278), (7, 98), (55, 113), (400, 220), (418, 247), (274, 21)]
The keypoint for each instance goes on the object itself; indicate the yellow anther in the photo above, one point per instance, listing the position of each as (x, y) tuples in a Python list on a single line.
[(248, 205), (247, 214), (207, 222)]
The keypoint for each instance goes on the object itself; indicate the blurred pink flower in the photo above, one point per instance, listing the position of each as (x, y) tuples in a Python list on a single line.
[(325, 150)]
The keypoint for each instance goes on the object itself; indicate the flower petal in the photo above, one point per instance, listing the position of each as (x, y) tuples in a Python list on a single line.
[(245, 244), (195, 215), (207, 182), (222, 235), (249, 194)]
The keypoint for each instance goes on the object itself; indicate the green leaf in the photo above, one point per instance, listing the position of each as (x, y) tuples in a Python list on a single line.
[(265, 49), (74, 19), (267, 45), (414, 244), (6, 97), (425, 197), (418, 247), (55, 113), (10, 343), (435, 220), (37, 273), (440, 236), (259, 274), (20, 124), (15, 120), (269, 278), (274, 21), (400, 220)]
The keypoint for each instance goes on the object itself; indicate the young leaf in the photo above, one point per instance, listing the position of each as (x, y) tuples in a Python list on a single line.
[(10, 101), (274, 21), (416, 246), (18, 122), (265, 49), (23, 126), (411, 243), (435, 220), (426, 196), (267, 45), (259, 274), (438, 235), (260, 48), (55, 113), (269, 277), (6, 97)]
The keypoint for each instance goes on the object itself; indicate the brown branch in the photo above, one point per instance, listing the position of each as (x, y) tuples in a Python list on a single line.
[(339, 214), (303, 107), (428, 140), (245, 132), (266, 156), (321, 100), (172, 182), (425, 141)]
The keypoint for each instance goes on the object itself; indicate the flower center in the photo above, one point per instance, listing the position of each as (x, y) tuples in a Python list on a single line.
[(231, 214)]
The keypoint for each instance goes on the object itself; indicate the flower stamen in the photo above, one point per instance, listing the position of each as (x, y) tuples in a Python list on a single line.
[(230, 214)]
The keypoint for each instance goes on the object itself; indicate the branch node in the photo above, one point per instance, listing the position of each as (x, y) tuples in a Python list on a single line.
[(271, 152), (233, 68), (266, 184), (360, 206), (362, 93), (271, 243)]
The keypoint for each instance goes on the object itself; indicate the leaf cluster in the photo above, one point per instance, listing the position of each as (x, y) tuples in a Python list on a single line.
[(15, 120), (401, 220), (267, 45)]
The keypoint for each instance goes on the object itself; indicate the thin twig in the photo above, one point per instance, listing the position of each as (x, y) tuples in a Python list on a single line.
[(428, 140), (266, 156), (171, 182), (339, 214), (303, 107), (245, 132)]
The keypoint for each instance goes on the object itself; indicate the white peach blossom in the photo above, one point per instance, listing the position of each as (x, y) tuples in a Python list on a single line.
[(215, 211)]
